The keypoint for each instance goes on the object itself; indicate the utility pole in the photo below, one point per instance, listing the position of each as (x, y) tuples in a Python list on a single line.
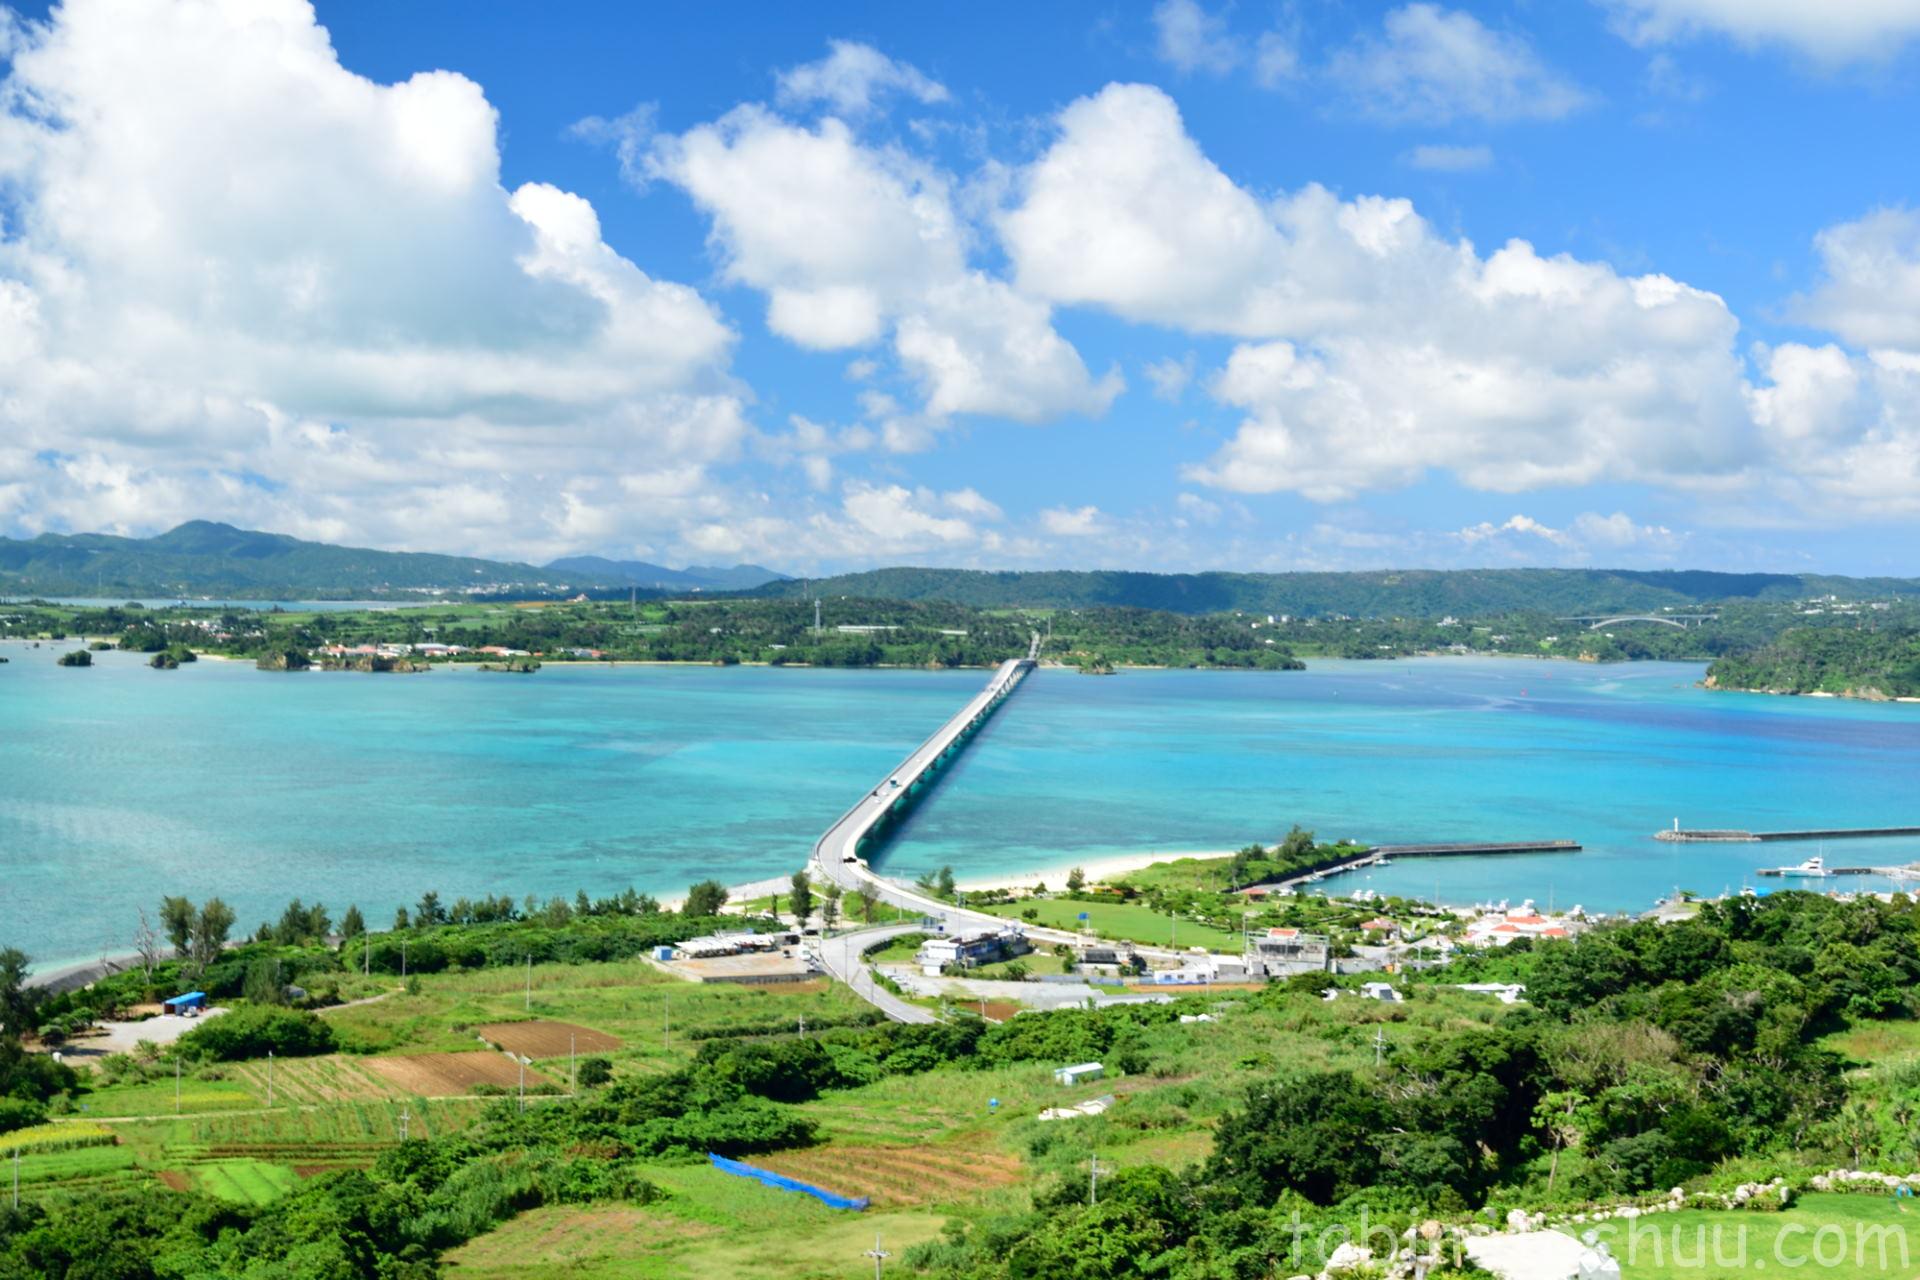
[(523, 1080), (1093, 1180), (816, 631), (405, 1116), (1379, 1045), (878, 1254), (403, 961), (803, 1024)]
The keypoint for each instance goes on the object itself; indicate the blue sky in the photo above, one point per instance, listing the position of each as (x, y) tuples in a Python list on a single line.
[(1176, 285)]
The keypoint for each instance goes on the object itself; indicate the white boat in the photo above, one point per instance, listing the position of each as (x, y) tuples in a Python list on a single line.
[(1815, 866)]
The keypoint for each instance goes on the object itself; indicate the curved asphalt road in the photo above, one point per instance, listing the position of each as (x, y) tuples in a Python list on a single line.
[(842, 957)]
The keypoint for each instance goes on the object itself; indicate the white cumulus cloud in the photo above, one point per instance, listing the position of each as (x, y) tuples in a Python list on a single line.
[(853, 77), (1191, 39), (1073, 522), (1834, 32), (1870, 291), (1375, 350), (238, 279), (1430, 64), (853, 243)]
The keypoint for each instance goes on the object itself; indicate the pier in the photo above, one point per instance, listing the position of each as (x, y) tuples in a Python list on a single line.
[(1378, 854), (1677, 836)]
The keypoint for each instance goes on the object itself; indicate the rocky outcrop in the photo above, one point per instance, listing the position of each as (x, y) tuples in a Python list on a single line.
[(374, 663)]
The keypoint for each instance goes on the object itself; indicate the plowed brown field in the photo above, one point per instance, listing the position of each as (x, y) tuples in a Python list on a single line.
[(546, 1039), (896, 1176), (432, 1075)]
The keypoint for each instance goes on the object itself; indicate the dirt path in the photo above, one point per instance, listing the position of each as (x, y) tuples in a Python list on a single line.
[(355, 1004)]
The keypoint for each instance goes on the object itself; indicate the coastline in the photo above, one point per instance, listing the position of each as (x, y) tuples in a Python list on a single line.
[(1849, 695), (1097, 869)]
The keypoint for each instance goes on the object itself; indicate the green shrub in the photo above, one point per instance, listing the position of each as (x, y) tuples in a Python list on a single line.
[(252, 1031), (18, 1113)]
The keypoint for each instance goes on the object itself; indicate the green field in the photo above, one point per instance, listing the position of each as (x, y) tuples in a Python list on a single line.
[(1875, 1042), (244, 1181), (1126, 921), (1831, 1237), (711, 1227), (85, 1163), (658, 1016), (157, 1098)]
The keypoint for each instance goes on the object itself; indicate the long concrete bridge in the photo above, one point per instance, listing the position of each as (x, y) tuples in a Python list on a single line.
[(840, 846), (841, 854)]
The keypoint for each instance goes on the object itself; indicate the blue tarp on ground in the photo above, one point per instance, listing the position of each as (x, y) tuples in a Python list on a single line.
[(784, 1183)]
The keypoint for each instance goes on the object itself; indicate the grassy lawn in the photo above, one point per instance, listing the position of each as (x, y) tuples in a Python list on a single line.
[(1876, 1042), (1125, 920), (711, 1226), (898, 951), (1035, 962), (1831, 1237)]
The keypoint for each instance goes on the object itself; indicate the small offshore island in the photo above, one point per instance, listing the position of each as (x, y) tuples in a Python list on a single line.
[(1866, 649)]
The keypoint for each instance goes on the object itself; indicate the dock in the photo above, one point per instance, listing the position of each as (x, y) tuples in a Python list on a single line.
[(1677, 836), (1891, 873), (1455, 850)]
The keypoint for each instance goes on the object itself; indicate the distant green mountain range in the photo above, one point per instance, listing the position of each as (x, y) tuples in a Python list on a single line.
[(1417, 593), (205, 559)]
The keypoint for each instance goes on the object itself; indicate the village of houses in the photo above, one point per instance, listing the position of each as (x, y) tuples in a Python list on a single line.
[(953, 965)]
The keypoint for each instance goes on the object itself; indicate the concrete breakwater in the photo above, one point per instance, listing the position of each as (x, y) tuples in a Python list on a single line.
[(1678, 836), (1378, 854)]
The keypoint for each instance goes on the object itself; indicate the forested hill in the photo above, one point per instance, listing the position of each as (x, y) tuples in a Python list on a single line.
[(205, 559), (1390, 593), (1883, 663), (202, 558)]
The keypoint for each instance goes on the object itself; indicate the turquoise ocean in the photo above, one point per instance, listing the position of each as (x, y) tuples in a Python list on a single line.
[(119, 784)]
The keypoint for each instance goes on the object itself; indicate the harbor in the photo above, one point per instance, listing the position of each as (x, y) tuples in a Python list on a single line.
[(1816, 868)]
